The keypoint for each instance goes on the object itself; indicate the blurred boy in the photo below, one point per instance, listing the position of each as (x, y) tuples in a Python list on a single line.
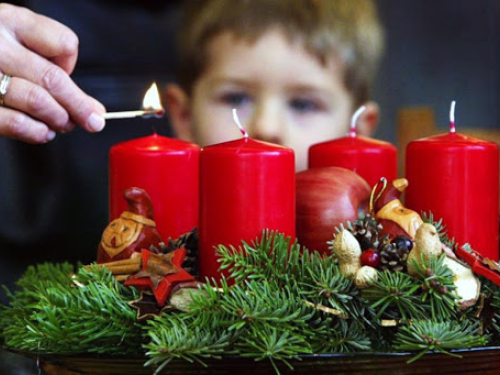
[(294, 70)]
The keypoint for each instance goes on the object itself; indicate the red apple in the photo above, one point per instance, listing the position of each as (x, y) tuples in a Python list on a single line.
[(327, 197)]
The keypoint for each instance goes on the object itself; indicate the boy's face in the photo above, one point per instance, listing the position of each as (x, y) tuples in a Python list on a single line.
[(282, 94)]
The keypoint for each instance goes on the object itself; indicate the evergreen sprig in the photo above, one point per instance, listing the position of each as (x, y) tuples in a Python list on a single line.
[(56, 313), (343, 336), (313, 276), (437, 286), (281, 301), (173, 337), (427, 335), (394, 296), (271, 310)]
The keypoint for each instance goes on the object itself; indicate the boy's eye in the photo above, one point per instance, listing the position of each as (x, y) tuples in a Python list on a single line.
[(236, 99), (303, 105)]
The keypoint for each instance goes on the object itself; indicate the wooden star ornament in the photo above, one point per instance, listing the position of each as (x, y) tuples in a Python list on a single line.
[(160, 272), (146, 306)]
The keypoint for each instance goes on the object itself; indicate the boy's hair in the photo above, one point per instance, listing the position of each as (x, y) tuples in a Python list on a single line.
[(348, 29)]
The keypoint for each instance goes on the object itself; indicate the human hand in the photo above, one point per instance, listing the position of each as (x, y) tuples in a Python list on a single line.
[(40, 98)]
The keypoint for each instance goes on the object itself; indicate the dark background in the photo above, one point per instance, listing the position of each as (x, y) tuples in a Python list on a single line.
[(438, 51), (53, 198)]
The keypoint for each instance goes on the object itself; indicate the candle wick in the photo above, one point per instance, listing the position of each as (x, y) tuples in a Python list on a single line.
[(238, 123), (452, 117), (354, 120)]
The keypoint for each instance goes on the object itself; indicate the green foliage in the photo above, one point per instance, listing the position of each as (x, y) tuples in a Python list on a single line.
[(343, 336), (491, 293), (280, 301), (394, 296), (437, 287), (56, 312), (271, 312), (314, 277), (426, 335), (174, 336)]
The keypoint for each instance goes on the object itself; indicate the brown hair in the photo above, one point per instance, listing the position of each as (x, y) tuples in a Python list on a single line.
[(348, 29)]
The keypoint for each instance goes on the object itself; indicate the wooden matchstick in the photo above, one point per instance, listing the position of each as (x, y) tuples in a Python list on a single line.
[(132, 114)]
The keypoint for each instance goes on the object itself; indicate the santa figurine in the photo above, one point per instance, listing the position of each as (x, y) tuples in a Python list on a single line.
[(133, 231)]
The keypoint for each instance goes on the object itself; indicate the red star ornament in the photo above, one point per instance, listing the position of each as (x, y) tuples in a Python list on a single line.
[(164, 287)]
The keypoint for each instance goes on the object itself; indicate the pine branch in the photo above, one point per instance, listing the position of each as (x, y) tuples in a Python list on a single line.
[(266, 302), (321, 282), (426, 335), (343, 336), (279, 307), (437, 287), (266, 341), (61, 315), (313, 276), (269, 257), (259, 320), (172, 337), (394, 296)]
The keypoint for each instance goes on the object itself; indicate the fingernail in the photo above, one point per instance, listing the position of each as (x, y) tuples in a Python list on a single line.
[(50, 135), (95, 122)]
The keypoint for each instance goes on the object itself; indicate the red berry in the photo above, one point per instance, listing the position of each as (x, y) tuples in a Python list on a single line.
[(370, 257)]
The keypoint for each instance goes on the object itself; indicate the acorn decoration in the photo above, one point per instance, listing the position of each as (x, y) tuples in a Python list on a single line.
[(134, 230)]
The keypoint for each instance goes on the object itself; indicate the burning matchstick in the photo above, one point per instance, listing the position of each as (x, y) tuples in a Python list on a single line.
[(151, 102), (131, 114)]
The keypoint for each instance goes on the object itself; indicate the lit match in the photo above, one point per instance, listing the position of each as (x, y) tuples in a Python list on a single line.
[(151, 103)]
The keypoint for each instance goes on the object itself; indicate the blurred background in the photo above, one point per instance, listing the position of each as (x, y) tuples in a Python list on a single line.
[(436, 52)]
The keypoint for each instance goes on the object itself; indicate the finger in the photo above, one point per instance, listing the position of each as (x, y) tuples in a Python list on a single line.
[(42, 35), (82, 109), (32, 99), (17, 125)]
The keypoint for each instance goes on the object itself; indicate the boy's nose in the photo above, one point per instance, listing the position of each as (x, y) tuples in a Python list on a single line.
[(266, 124)]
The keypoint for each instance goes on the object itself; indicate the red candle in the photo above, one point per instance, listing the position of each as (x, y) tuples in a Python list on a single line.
[(168, 169), (245, 186), (456, 178), (369, 158)]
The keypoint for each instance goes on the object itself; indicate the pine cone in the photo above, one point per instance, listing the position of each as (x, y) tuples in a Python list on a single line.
[(189, 241), (367, 231), (393, 256)]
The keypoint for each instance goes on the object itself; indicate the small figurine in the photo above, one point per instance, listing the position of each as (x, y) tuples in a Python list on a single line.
[(396, 219), (133, 231)]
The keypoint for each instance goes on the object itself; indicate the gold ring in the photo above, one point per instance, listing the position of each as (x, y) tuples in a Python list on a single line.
[(4, 85)]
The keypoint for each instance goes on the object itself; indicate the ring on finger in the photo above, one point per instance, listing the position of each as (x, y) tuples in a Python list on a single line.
[(4, 85)]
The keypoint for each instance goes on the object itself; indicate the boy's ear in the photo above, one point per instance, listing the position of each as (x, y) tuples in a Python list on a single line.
[(178, 110), (368, 119)]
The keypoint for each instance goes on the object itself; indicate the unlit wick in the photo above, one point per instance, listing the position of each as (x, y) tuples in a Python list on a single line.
[(452, 117), (238, 123), (354, 120)]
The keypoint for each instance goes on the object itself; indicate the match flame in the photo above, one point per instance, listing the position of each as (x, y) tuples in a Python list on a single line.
[(152, 99)]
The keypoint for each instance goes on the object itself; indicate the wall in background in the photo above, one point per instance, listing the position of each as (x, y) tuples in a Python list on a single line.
[(438, 51)]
